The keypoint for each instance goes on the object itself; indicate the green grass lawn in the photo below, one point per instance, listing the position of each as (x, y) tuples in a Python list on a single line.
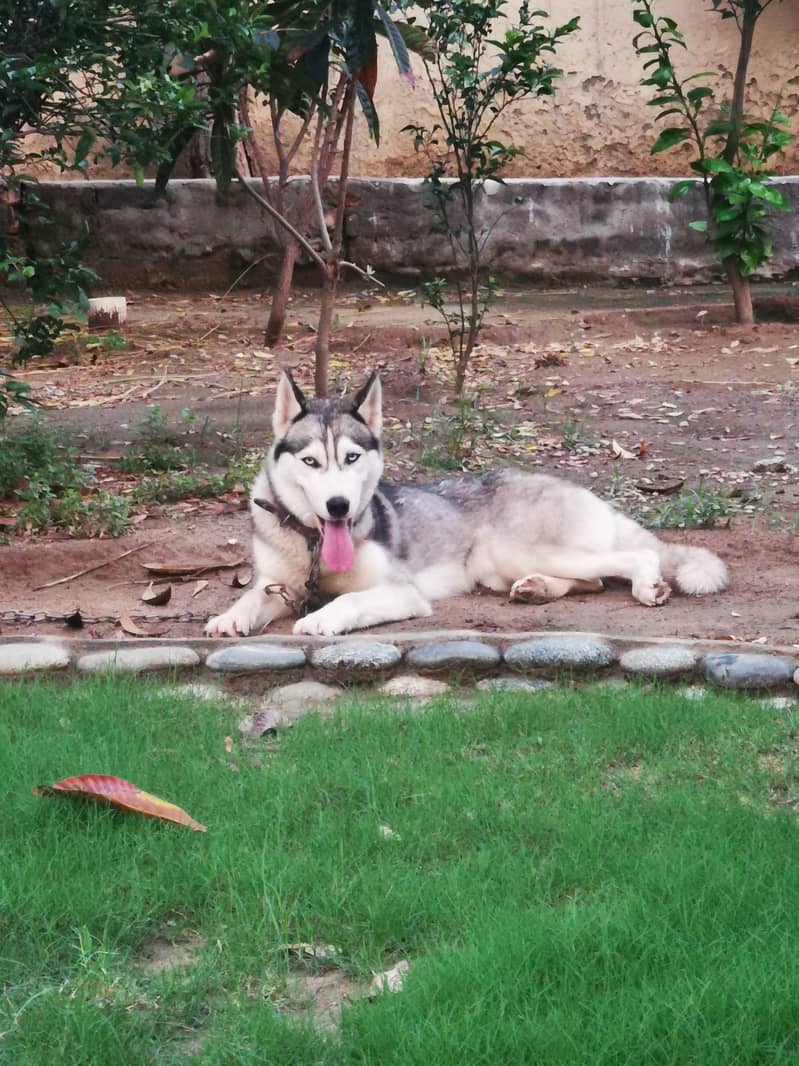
[(580, 876)]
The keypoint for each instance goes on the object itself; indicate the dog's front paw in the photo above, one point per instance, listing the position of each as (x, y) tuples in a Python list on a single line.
[(232, 623), (322, 623), (246, 616), (654, 594)]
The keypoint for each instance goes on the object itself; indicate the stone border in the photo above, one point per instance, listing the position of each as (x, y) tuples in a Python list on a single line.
[(363, 659)]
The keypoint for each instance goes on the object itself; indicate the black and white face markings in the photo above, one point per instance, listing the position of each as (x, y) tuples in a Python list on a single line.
[(335, 459)]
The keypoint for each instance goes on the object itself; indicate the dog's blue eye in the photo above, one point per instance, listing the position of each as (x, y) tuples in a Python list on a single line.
[(352, 457), (310, 461)]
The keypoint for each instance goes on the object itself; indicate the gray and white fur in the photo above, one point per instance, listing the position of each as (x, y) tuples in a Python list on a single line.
[(389, 550)]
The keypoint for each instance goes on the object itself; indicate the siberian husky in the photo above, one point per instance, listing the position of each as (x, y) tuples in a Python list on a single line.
[(324, 523)]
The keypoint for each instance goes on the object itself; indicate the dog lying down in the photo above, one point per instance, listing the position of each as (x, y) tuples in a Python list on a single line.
[(326, 528)]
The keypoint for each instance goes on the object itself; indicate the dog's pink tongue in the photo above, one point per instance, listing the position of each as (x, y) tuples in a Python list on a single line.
[(338, 551)]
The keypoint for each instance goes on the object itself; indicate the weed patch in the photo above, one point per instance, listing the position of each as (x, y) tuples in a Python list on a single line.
[(698, 509), (43, 477), (462, 440), (48, 488)]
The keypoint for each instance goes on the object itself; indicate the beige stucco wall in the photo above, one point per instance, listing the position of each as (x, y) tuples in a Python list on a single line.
[(599, 123)]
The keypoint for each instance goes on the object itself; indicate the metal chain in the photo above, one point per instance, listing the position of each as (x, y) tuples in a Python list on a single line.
[(29, 617), (312, 598)]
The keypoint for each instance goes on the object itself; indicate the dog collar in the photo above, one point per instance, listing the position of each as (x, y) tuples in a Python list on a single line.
[(290, 521), (312, 598)]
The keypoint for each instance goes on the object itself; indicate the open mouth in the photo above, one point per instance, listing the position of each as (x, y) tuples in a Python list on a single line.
[(338, 550)]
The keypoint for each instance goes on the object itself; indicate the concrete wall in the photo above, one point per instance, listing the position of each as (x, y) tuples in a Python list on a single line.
[(599, 123), (586, 229)]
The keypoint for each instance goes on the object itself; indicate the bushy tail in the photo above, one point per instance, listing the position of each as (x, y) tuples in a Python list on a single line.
[(696, 571)]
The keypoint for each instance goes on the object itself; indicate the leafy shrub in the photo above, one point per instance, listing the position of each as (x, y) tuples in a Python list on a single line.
[(43, 475)]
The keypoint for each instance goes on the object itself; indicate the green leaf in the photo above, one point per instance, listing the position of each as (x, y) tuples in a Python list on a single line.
[(700, 226), (701, 92), (680, 188), (355, 27), (369, 111), (84, 145), (397, 42), (770, 195), (668, 138), (416, 40), (712, 166), (717, 129), (669, 111), (643, 18)]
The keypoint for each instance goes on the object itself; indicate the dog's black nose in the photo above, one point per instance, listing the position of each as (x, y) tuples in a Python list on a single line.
[(338, 506)]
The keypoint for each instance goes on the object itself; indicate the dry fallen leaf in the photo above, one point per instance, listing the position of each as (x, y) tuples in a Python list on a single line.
[(198, 588), (116, 792), (187, 569), (662, 488), (157, 597), (618, 452), (130, 627)]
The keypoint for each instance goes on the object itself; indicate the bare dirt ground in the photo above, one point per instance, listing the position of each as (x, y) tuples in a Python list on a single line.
[(641, 395)]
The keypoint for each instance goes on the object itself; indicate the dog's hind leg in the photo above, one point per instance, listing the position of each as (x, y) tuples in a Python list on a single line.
[(542, 588), (640, 566)]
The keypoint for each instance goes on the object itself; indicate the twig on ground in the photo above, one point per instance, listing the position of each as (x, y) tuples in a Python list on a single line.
[(91, 569), (243, 274), (360, 344)]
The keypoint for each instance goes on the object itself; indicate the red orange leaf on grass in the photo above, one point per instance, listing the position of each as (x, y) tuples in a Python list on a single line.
[(117, 792)]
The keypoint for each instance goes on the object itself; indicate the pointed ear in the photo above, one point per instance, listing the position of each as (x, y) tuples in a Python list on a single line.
[(289, 402), (368, 403)]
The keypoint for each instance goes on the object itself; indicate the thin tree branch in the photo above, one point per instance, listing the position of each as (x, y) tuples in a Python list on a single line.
[(284, 222)]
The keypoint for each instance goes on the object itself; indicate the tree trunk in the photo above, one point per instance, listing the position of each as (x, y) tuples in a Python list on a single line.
[(323, 331), (750, 16), (741, 289), (325, 325), (741, 292), (280, 294)]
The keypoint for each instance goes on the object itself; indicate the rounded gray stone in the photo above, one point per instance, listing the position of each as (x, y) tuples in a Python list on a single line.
[(285, 705), (576, 652), (414, 687), (512, 684), (28, 657), (357, 657), (658, 660), (137, 660), (746, 670), (453, 655), (241, 658)]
